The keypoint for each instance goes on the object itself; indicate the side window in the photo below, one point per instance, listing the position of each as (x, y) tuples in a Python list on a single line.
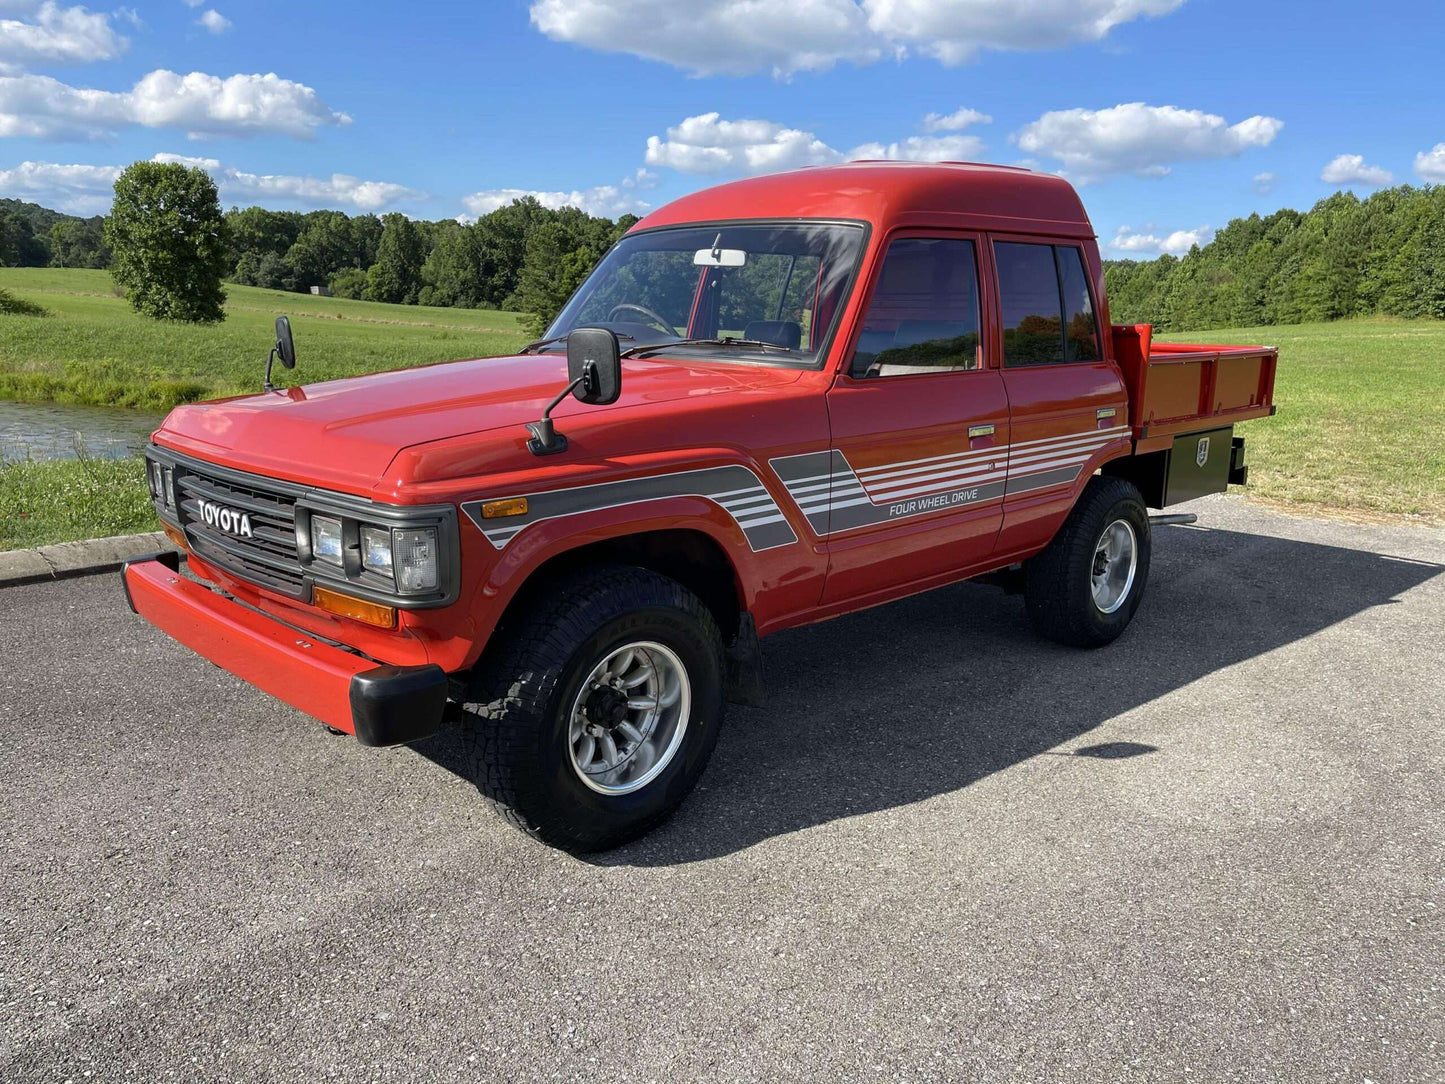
[(1081, 330), (1028, 285), (923, 317), (1048, 314)]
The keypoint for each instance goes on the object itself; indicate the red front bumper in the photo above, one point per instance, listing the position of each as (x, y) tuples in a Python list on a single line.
[(382, 705)]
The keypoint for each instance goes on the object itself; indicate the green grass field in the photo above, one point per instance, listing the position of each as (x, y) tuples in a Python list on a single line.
[(94, 349), (1361, 422), (1360, 429), (59, 500)]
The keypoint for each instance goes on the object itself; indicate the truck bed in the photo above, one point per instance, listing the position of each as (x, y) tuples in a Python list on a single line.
[(1177, 388)]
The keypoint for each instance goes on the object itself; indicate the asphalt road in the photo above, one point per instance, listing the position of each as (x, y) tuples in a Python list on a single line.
[(945, 851)]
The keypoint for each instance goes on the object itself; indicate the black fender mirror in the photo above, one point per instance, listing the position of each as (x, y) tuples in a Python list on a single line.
[(285, 349), (594, 365), (594, 375), (285, 345)]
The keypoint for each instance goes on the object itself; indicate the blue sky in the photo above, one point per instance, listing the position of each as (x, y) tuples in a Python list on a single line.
[(1173, 116)]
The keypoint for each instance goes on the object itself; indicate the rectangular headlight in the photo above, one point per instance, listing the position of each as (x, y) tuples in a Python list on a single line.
[(168, 487), (326, 539), (376, 550), (414, 552)]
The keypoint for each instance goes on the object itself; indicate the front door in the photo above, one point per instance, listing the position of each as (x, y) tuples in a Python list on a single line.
[(913, 485)]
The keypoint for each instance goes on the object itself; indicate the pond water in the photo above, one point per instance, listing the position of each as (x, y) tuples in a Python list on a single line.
[(54, 430)]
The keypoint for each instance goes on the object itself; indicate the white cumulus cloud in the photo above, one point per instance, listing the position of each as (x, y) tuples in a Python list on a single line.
[(708, 144), (87, 189), (956, 121), (1351, 169), (711, 37), (1430, 165), (737, 37), (338, 189), (1149, 243), (1264, 183), (1144, 140), (199, 104), (210, 165), (214, 21), (944, 148), (607, 201), (955, 32), (77, 189), (50, 34)]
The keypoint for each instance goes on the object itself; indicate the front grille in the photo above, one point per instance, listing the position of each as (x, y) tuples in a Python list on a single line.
[(267, 558)]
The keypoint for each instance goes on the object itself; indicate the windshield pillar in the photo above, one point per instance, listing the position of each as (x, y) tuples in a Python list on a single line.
[(702, 323)]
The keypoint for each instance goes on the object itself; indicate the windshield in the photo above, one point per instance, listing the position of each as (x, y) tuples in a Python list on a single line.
[(765, 286)]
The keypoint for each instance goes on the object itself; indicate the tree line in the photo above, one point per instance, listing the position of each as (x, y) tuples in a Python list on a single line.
[(523, 256), (1380, 256), (166, 223), (35, 236), (1384, 255)]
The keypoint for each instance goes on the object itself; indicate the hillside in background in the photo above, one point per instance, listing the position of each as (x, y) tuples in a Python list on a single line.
[(1344, 257), (1382, 256), (36, 236)]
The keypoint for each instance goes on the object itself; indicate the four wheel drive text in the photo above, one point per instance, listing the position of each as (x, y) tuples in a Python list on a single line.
[(841, 386)]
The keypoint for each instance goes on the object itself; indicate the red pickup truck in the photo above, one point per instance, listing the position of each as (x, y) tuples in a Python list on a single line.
[(790, 398)]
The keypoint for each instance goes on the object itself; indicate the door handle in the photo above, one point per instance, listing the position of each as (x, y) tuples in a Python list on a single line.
[(979, 431)]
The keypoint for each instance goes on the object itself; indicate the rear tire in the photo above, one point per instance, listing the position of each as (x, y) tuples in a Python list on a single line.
[(552, 706), (1083, 589)]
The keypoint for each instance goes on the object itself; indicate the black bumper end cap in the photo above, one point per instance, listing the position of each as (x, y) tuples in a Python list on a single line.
[(394, 705), (168, 558)]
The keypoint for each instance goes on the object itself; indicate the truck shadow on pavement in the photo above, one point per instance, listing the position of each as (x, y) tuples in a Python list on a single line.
[(927, 695)]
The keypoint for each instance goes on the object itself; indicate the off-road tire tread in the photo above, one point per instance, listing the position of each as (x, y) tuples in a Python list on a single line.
[(508, 696)]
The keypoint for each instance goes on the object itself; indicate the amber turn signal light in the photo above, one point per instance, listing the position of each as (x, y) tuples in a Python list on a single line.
[(512, 506), (368, 613), (175, 535)]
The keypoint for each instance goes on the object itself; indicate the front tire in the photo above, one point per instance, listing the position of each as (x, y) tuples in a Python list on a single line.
[(1085, 586), (594, 715)]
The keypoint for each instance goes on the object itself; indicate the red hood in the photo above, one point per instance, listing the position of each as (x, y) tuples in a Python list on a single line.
[(344, 433)]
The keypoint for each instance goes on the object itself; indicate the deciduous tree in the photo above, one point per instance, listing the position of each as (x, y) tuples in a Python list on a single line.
[(396, 275), (169, 241)]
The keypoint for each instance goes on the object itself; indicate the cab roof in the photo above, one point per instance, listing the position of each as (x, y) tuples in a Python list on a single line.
[(966, 195)]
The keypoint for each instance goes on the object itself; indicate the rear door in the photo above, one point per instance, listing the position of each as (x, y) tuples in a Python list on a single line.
[(914, 483), (1066, 399)]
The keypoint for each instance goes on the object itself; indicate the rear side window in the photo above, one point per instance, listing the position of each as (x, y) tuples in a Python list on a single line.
[(1081, 331), (1048, 313), (924, 313), (1033, 323)]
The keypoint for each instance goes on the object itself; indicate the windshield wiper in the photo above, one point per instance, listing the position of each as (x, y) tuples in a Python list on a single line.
[(557, 339), (725, 340)]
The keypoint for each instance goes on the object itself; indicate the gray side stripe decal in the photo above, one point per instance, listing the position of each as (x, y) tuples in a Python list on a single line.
[(1043, 480), (734, 488), (808, 480), (834, 497)]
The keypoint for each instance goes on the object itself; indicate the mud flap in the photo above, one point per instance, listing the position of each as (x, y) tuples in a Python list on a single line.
[(744, 682)]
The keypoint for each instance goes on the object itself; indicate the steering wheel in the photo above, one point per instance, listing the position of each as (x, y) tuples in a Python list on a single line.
[(660, 321)]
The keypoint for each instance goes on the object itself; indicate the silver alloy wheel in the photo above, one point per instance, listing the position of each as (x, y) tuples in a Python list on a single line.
[(629, 717), (1116, 558)]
